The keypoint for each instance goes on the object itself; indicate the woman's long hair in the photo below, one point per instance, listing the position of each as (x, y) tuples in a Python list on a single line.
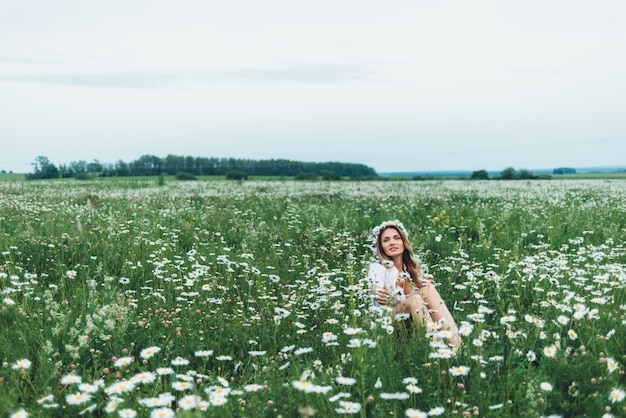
[(413, 265)]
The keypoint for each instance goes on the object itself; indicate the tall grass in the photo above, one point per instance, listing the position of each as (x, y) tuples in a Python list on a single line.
[(222, 299)]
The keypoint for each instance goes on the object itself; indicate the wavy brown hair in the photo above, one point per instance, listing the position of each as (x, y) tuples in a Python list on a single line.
[(413, 265)]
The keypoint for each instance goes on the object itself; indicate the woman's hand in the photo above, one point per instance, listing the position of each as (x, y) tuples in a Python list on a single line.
[(382, 295)]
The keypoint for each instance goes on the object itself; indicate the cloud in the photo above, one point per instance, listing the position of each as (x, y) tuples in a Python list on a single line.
[(293, 74)]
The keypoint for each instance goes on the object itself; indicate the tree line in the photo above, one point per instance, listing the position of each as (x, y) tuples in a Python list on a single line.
[(151, 165), (509, 173)]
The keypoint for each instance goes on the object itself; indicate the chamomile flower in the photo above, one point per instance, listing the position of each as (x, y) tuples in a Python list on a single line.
[(459, 371), (23, 364), (347, 407), (146, 353), (546, 386), (347, 381), (415, 413), (617, 395)]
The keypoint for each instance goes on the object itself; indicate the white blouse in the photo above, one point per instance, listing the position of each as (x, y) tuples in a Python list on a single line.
[(387, 276)]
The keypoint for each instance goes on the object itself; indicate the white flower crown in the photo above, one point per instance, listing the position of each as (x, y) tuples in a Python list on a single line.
[(380, 228)]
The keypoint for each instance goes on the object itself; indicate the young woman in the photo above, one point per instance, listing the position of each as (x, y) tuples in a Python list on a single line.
[(399, 285)]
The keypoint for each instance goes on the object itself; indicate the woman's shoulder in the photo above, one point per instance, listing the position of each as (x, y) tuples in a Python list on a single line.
[(377, 266)]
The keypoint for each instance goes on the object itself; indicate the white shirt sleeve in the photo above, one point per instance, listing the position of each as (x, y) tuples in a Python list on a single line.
[(376, 275)]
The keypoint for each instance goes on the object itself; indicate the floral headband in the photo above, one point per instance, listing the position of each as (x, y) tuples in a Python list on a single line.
[(380, 228)]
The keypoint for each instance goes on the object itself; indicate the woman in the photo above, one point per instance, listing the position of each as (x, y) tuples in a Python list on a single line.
[(399, 285)]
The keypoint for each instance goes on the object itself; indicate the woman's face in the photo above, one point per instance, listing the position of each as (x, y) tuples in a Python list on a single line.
[(391, 242)]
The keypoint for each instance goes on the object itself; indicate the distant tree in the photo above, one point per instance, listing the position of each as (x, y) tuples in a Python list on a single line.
[(330, 175), (236, 175), (43, 169), (480, 175), (526, 174), (564, 170), (509, 173), (121, 169), (78, 166), (95, 167)]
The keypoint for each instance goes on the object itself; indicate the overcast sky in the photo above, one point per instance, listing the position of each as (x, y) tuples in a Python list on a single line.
[(398, 85)]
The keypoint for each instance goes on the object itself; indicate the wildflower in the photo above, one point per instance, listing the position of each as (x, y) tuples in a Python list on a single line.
[(549, 351), (77, 398), (253, 387), (348, 407), (88, 388), (413, 389), (203, 353), (465, 329), (617, 395), (507, 320), (223, 358), (23, 364), (218, 400), (345, 380), (612, 364), (122, 386), (189, 402), (395, 396), (378, 384), (162, 413), (70, 274), (546, 386), (436, 411), (352, 331), (144, 377), (146, 353), (531, 356), (112, 405), (338, 396), (180, 386), (20, 414), (257, 353), (572, 334), (123, 361), (308, 387), (303, 351), (164, 399), (70, 379), (459, 371), (354, 343), (416, 413), (127, 413), (303, 385), (179, 361), (162, 371), (562, 320), (573, 389), (47, 398)]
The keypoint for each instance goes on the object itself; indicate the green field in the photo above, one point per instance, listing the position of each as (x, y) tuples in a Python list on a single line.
[(249, 299)]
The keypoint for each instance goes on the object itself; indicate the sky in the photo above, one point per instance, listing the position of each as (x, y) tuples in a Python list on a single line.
[(400, 86)]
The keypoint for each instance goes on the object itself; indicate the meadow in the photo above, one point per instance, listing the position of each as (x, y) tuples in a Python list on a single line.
[(128, 298)]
